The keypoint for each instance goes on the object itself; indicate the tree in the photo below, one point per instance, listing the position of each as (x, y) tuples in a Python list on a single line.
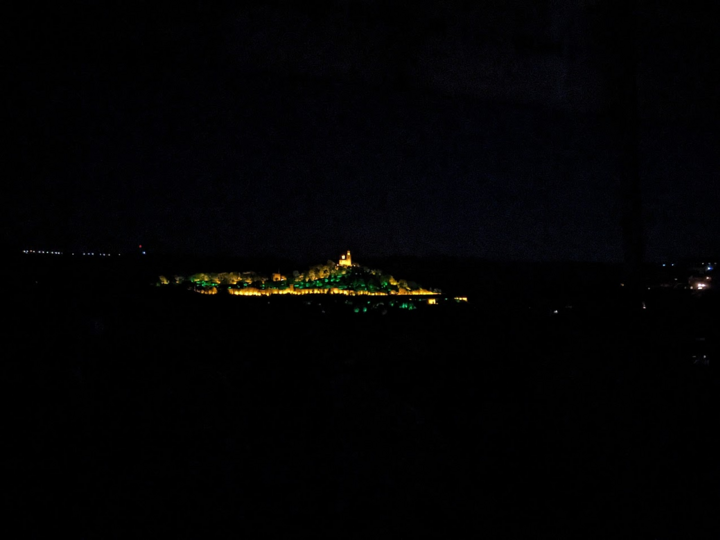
[(199, 277)]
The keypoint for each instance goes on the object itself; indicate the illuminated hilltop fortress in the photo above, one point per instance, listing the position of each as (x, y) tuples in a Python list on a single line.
[(345, 260), (345, 277)]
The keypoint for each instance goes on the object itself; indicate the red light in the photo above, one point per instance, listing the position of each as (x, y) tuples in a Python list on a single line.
[(140, 246)]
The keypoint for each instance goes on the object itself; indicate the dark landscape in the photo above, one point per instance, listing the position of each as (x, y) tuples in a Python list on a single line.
[(361, 269), (137, 407)]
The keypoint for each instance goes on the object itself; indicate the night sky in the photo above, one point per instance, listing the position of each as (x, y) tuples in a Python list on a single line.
[(299, 129)]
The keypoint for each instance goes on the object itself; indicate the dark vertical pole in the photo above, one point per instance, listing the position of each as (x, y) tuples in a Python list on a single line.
[(624, 117), (629, 140), (618, 25)]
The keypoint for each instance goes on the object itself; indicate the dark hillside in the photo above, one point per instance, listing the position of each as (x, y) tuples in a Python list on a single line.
[(134, 405)]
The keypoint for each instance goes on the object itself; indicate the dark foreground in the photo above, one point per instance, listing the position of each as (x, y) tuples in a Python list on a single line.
[(185, 413)]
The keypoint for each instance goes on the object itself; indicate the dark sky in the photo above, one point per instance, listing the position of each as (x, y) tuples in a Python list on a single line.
[(302, 129)]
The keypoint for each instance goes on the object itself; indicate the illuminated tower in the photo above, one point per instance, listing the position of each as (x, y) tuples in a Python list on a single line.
[(345, 260)]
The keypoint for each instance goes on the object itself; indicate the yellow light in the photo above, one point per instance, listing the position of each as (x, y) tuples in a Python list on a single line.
[(251, 291)]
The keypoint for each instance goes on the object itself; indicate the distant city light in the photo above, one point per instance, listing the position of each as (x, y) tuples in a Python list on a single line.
[(143, 253)]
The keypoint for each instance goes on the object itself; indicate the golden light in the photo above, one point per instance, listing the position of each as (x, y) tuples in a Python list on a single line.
[(319, 280), (252, 291)]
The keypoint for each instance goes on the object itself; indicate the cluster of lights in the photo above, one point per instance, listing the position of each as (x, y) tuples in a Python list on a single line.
[(87, 254), (708, 266), (211, 290), (251, 291), (405, 305), (321, 280)]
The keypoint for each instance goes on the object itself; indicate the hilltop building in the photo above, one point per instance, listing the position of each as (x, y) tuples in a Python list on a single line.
[(345, 260)]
